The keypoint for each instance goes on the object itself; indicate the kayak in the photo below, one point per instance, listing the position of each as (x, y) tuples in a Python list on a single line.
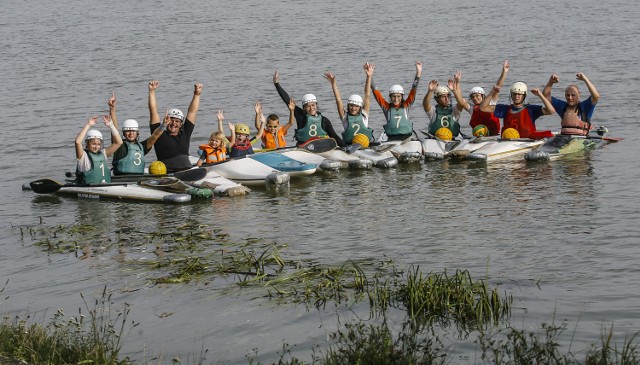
[(562, 145), (404, 151), (120, 191), (284, 163), (504, 148), (246, 171), (438, 149), (384, 159)]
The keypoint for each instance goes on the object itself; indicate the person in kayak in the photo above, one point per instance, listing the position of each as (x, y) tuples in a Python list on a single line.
[(216, 148), (575, 114), (443, 114), (91, 165), (355, 120), (396, 110), (274, 135), (476, 95), (310, 123), (518, 115), (172, 147), (129, 158)]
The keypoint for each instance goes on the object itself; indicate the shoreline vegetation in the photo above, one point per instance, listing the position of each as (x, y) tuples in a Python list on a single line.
[(433, 305)]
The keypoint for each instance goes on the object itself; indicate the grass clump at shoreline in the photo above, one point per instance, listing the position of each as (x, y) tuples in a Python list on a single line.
[(92, 337)]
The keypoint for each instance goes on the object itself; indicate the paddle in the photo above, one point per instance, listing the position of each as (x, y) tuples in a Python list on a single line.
[(610, 139), (319, 145), (47, 186), (352, 148), (386, 147), (186, 175)]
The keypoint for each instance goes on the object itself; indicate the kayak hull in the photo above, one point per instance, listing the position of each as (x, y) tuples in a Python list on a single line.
[(132, 192), (561, 145)]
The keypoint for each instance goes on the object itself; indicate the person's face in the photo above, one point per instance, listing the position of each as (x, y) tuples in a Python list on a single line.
[(174, 126), (94, 145), (395, 98), (572, 95), (443, 100), (241, 137), (272, 126), (311, 108), (214, 142), (130, 136), (517, 98), (354, 109), (476, 98)]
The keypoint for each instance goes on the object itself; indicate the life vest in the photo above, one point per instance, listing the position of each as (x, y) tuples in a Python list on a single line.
[(277, 140), (444, 119), (520, 120), (355, 125), (99, 172), (242, 149), (573, 124), (485, 118), (398, 122), (312, 129), (133, 161), (213, 154)]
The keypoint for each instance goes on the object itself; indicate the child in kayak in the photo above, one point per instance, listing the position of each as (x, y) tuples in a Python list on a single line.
[(129, 158), (476, 95), (273, 135), (355, 119), (575, 114), (216, 149), (310, 123), (443, 114), (240, 144), (91, 166), (396, 110)]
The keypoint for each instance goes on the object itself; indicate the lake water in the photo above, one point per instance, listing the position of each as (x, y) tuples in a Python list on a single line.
[(561, 237)]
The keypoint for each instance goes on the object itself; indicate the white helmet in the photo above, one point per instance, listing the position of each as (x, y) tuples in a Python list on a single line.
[(309, 98), (130, 125), (396, 89), (92, 134), (176, 113), (519, 88), (476, 90), (355, 100), (441, 90)]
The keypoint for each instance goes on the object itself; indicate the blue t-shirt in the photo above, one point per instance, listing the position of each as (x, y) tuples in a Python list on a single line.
[(585, 106), (535, 111)]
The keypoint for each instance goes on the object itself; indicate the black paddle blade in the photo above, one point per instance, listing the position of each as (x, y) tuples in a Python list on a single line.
[(352, 148), (319, 145), (45, 186), (192, 174)]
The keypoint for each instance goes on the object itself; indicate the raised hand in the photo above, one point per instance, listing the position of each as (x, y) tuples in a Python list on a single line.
[(368, 68), (451, 84), (331, 77), (258, 107), (167, 119), (292, 104), (107, 120), (433, 84), (220, 115), (419, 66), (197, 89), (505, 66), (457, 76), (112, 100), (581, 76), (536, 91), (93, 121), (276, 77), (153, 84), (554, 79)]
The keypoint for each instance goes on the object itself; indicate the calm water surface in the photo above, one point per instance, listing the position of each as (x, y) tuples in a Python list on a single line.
[(561, 237)]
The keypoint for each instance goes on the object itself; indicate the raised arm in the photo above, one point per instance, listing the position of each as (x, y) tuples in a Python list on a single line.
[(232, 140), (553, 79), (154, 117), (426, 102), (461, 102), (292, 117), (283, 94), (115, 135), (548, 108), (595, 95), (258, 120), (112, 112), (336, 93), (485, 106), (80, 137), (195, 103), (368, 70), (220, 117), (158, 132)]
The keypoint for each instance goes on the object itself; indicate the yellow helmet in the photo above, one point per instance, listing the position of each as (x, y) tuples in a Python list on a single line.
[(510, 133), (157, 168), (242, 128), (361, 139), (444, 133), (480, 131)]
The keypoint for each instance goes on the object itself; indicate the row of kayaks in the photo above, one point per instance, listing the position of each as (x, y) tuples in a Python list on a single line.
[(231, 177)]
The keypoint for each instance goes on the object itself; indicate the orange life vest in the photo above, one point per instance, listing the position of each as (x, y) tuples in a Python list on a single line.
[(214, 155), (571, 124), (270, 141)]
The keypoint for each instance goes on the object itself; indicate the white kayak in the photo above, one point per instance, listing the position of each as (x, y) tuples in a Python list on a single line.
[(246, 171), (504, 148), (284, 163), (120, 191), (404, 151)]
